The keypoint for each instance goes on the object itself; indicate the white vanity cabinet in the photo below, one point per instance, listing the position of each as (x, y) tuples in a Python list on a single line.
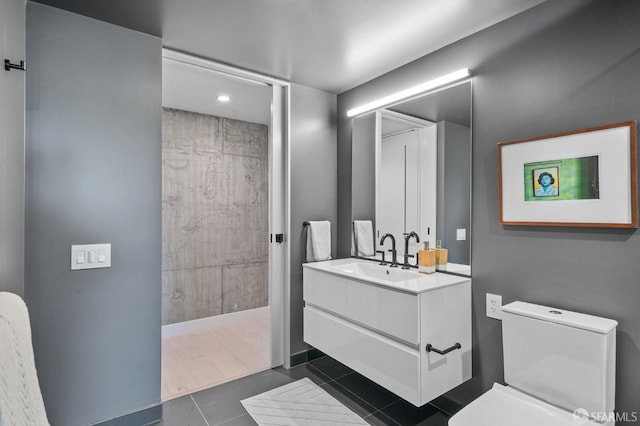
[(381, 327)]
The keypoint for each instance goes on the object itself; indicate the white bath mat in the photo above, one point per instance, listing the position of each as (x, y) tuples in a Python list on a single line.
[(299, 403)]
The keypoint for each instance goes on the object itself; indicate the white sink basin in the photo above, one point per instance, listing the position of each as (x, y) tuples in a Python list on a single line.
[(374, 271), (409, 280)]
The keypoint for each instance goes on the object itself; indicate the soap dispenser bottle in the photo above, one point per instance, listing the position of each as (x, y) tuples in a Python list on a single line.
[(441, 256), (427, 259)]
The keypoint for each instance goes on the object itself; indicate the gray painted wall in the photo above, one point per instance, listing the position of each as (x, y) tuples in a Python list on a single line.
[(215, 194), (93, 175), (563, 65), (454, 144), (12, 46), (344, 181), (313, 183), (363, 170)]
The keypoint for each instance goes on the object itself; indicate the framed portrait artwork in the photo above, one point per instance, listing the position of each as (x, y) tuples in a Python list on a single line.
[(580, 178)]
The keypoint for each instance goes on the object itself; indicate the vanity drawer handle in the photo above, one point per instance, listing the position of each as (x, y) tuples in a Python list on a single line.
[(430, 348)]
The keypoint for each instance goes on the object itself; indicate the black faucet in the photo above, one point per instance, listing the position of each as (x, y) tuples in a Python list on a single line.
[(394, 258), (407, 237)]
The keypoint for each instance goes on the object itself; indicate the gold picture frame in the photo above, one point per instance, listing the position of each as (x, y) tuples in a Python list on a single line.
[(580, 178)]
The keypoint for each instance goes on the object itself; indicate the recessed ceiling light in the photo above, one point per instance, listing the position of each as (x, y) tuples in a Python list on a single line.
[(223, 98)]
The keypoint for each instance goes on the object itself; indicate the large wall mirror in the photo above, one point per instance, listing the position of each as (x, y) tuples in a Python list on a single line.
[(411, 171)]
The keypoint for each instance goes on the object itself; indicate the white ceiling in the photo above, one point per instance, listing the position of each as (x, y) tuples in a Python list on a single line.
[(332, 45), (196, 89)]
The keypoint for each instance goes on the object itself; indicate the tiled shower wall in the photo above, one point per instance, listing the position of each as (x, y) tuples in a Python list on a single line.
[(214, 216)]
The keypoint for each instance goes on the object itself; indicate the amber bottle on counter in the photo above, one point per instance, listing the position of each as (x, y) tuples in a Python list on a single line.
[(427, 259), (441, 256)]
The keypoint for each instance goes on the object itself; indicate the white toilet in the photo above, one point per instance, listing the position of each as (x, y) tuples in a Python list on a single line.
[(559, 367)]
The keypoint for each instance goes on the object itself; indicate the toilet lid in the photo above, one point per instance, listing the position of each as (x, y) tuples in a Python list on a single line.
[(505, 406)]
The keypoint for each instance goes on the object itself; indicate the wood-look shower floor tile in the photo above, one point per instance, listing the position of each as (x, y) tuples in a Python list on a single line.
[(207, 358)]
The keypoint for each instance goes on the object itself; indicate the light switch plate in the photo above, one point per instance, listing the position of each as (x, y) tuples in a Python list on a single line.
[(94, 256), (461, 234)]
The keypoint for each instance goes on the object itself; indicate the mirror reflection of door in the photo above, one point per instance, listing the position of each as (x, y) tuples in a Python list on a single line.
[(393, 192), (406, 195)]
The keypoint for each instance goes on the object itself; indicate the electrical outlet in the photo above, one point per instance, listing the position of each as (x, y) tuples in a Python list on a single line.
[(494, 306)]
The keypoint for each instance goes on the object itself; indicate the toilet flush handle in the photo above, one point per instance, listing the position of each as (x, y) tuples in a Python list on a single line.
[(430, 348)]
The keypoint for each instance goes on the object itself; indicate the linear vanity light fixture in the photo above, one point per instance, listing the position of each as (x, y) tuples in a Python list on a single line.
[(403, 94)]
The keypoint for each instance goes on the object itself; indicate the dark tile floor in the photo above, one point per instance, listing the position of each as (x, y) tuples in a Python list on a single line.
[(221, 405)]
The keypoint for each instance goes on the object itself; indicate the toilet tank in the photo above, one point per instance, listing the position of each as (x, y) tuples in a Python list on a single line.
[(564, 358)]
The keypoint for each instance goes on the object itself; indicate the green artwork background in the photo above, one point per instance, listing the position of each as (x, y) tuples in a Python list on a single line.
[(578, 179)]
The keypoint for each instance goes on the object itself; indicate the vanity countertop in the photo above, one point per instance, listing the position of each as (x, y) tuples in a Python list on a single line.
[(410, 281)]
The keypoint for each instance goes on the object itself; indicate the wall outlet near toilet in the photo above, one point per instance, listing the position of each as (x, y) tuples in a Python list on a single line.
[(494, 306)]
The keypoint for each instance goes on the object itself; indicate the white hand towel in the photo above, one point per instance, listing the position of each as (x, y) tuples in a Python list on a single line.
[(20, 398), (363, 235), (318, 241)]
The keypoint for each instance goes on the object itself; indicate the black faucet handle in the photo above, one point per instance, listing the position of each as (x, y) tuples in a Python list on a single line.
[(383, 263)]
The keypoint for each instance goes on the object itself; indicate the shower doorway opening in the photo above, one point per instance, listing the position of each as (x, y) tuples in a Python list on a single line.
[(223, 200)]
